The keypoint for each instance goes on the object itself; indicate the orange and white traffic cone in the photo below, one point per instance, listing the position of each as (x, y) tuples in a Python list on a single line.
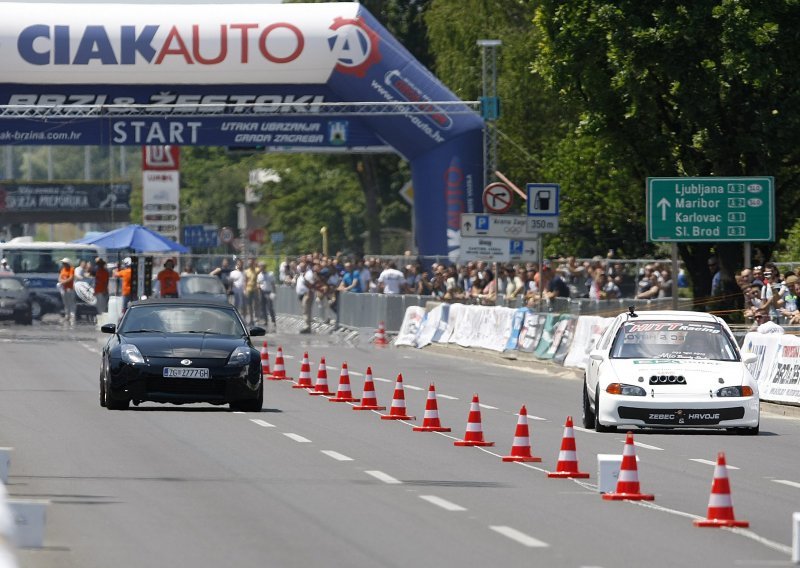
[(279, 373), (474, 434), (628, 480), (304, 380), (720, 504), (567, 465), (343, 393), (321, 386), (265, 372), (521, 447), (430, 422), (380, 335), (398, 410), (368, 399)]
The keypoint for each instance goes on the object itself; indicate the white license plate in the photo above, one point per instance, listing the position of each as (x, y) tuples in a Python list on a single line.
[(186, 373)]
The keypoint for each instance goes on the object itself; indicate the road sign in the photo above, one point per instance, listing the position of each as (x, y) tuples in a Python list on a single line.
[(511, 226), (497, 198), (711, 209), (200, 236), (498, 249), (543, 199), (226, 235)]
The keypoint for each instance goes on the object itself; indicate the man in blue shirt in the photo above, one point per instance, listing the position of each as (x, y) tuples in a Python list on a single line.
[(350, 279)]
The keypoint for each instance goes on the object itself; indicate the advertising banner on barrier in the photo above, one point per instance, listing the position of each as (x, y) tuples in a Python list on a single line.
[(783, 383), (546, 337), (517, 321), (412, 321), (562, 339), (766, 346), (429, 327), (587, 332), (442, 328), (531, 332)]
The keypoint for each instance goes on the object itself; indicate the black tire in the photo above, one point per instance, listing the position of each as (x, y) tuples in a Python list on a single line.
[(102, 391), (250, 405), (110, 403), (588, 413), (597, 426), (747, 431), (36, 309)]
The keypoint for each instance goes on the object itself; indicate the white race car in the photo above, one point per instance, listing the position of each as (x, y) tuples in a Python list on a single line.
[(669, 370)]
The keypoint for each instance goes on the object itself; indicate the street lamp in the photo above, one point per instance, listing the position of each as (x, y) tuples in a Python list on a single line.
[(324, 232)]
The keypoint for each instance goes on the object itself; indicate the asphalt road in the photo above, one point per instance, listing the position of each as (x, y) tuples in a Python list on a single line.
[(307, 482)]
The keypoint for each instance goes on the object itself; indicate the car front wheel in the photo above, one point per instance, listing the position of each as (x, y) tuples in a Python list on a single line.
[(588, 413), (251, 405)]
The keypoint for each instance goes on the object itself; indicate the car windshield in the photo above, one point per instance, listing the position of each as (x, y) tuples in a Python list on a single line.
[(11, 285), (673, 340), (193, 285), (166, 318)]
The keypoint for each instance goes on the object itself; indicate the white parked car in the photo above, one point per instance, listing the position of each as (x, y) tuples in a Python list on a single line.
[(669, 370)]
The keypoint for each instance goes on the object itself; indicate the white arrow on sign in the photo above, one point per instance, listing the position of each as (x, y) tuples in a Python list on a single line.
[(663, 204)]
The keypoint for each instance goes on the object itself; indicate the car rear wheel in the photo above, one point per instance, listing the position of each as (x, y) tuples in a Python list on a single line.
[(588, 414), (597, 426), (746, 431)]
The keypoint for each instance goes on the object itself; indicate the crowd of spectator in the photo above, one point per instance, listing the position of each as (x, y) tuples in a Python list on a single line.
[(769, 295)]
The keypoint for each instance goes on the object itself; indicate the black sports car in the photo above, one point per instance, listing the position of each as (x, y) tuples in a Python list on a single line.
[(181, 351), (15, 300)]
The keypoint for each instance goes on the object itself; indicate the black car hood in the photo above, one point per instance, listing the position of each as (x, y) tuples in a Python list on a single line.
[(184, 345)]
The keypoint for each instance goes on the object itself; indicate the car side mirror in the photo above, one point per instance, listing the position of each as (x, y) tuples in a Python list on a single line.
[(597, 355), (109, 328), (749, 358), (256, 331)]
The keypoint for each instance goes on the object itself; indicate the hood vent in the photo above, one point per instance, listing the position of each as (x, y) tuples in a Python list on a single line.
[(667, 380)]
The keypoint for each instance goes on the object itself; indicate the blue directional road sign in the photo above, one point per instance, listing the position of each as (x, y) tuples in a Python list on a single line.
[(200, 236), (515, 247), (482, 222)]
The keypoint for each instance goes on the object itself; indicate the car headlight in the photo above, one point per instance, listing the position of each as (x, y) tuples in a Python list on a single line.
[(625, 390), (131, 354), (735, 391), (240, 356)]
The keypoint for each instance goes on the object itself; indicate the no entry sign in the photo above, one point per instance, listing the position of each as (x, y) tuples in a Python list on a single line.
[(497, 198)]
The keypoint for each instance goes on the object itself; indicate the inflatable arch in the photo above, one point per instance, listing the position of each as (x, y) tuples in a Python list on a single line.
[(290, 77)]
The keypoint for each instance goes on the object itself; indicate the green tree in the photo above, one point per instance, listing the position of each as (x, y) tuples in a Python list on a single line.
[(700, 89)]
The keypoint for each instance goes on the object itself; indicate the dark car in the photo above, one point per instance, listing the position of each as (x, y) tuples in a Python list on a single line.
[(202, 287), (15, 300), (181, 351)]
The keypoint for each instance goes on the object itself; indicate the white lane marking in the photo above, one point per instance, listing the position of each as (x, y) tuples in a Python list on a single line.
[(296, 438), (787, 482), (709, 462), (382, 380), (337, 456), (532, 417), (238, 412), (91, 349), (447, 396), (582, 429), (645, 446), (356, 374), (443, 503), (413, 388), (487, 407), (519, 537), (385, 477), (263, 423)]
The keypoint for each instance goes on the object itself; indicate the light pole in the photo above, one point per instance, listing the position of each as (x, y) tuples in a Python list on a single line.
[(324, 232)]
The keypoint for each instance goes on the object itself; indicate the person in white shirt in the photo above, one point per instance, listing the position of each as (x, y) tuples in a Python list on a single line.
[(305, 288), (391, 280), (238, 281), (266, 286)]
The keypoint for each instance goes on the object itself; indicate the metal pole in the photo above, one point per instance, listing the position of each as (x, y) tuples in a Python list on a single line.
[(489, 104), (748, 255), (674, 275)]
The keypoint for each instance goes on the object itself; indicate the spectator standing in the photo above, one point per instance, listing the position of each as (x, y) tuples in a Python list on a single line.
[(364, 275), (305, 288), (556, 288), (391, 280), (168, 280), (66, 279), (266, 286), (716, 276), (238, 281), (251, 291), (350, 280), (488, 295), (125, 274), (81, 272), (101, 285), (4, 267), (223, 272)]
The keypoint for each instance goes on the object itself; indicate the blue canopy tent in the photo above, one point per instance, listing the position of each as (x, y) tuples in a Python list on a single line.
[(136, 238)]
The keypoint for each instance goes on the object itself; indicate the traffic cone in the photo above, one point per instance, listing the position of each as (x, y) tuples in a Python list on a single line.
[(343, 393), (567, 465), (321, 386), (380, 335), (720, 505), (398, 410), (628, 480), (368, 399), (474, 435), (521, 448), (304, 380), (279, 374), (265, 372), (430, 422)]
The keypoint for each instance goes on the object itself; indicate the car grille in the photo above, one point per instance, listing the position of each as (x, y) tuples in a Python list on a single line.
[(667, 380), (200, 387), (680, 416)]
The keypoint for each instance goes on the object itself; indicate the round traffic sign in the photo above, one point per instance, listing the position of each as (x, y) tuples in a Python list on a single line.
[(497, 198), (226, 235)]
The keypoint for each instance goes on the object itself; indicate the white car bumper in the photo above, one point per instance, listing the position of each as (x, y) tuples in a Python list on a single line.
[(678, 412)]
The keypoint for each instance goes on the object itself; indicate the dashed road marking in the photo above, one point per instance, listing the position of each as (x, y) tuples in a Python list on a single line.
[(487, 407), (520, 537), (532, 417), (263, 423), (787, 482), (356, 374), (337, 456), (382, 380), (413, 388), (709, 462), (385, 477), (443, 503), (448, 397), (645, 446), (297, 438), (582, 429)]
